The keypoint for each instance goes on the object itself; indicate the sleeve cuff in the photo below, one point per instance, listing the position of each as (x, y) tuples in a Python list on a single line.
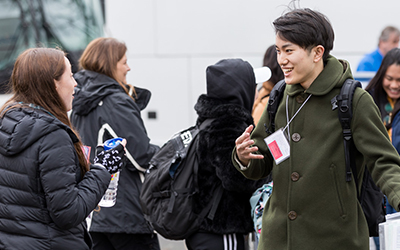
[(242, 167), (98, 165)]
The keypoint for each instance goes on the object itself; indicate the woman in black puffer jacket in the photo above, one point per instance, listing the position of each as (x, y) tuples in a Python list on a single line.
[(47, 188)]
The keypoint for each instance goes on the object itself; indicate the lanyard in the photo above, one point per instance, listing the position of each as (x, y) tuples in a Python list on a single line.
[(287, 113)]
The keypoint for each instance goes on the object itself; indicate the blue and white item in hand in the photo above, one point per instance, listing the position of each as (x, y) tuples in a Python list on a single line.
[(112, 157)]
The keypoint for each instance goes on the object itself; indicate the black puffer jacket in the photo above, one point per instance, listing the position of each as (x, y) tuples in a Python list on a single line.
[(43, 199), (229, 100), (102, 110)]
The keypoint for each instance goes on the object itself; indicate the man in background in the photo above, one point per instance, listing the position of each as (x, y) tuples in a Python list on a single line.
[(388, 40)]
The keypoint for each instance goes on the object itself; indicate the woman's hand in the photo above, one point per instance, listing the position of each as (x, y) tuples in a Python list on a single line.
[(113, 159)]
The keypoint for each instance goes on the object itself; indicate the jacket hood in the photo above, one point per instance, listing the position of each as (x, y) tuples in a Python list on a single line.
[(232, 80), (21, 127), (332, 76), (94, 87)]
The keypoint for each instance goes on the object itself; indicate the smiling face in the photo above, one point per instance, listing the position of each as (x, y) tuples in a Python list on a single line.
[(299, 66), (122, 70), (65, 86), (391, 82)]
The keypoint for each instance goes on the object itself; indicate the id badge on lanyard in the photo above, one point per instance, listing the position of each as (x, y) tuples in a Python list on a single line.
[(278, 145), (277, 142)]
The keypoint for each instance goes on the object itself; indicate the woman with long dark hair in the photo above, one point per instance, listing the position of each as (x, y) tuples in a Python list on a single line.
[(385, 87), (47, 185)]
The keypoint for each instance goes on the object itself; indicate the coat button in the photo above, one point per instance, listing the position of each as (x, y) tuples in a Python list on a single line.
[(296, 137), (292, 215), (295, 176), (299, 99)]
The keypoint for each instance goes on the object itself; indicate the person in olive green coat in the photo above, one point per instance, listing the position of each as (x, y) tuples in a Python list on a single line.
[(312, 206)]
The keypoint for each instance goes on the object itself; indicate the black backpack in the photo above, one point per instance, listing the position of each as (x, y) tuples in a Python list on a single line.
[(371, 198), (171, 185)]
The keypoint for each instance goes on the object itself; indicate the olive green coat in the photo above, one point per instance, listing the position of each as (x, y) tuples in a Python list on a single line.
[(312, 206)]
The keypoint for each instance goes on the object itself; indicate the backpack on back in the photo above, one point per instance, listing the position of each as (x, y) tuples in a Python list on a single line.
[(171, 185), (370, 197)]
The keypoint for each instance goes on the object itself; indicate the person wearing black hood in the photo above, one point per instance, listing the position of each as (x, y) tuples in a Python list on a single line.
[(229, 100), (105, 106)]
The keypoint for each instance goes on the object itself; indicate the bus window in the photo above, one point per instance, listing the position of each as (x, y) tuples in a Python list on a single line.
[(69, 25)]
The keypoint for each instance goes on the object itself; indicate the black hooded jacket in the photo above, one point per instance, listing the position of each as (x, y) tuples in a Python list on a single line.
[(43, 198), (229, 100), (102, 110)]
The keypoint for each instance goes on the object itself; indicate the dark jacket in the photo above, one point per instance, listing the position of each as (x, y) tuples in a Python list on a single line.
[(312, 206), (229, 101), (43, 199), (102, 110), (396, 131), (381, 100), (261, 101)]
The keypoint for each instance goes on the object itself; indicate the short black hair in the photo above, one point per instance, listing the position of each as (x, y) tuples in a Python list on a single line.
[(306, 28)]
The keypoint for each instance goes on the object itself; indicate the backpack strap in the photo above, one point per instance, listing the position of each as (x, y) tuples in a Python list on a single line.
[(275, 98), (343, 102), (213, 205), (193, 143), (203, 125), (107, 128)]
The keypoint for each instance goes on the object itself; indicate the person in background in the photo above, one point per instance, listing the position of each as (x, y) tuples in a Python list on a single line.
[(106, 106), (229, 100), (388, 40), (393, 88), (47, 186), (385, 90), (312, 205), (385, 87), (263, 94)]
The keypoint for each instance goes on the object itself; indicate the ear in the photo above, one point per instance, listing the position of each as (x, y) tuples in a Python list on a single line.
[(56, 83), (318, 53)]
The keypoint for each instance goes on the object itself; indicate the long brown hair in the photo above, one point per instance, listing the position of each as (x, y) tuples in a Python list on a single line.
[(33, 81), (102, 55)]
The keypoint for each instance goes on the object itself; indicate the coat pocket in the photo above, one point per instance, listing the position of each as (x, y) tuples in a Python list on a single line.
[(339, 196)]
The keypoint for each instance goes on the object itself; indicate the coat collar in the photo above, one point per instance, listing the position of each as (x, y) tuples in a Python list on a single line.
[(334, 74)]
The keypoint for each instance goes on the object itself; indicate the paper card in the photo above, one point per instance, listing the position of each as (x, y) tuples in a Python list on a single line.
[(278, 146), (86, 152)]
